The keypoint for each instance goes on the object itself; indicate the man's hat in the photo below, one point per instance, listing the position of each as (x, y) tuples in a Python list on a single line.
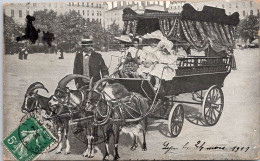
[(86, 42)]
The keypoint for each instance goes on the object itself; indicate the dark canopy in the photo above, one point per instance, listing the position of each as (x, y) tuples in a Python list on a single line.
[(210, 27)]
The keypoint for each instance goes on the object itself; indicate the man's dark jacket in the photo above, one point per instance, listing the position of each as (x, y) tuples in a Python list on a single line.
[(96, 66)]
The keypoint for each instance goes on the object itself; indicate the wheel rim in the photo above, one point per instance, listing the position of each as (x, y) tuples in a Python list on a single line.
[(213, 105), (176, 121)]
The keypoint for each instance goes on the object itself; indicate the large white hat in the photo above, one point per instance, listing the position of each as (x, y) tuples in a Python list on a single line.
[(124, 38), (165, 44), (154, 35)]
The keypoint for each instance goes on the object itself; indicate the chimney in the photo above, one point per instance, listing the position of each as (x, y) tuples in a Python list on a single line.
[(164, 5), (112, 4)]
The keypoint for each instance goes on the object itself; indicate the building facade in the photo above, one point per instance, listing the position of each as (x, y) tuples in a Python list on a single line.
[(115, 14), (19, 11), (91, 11), (243, 7)]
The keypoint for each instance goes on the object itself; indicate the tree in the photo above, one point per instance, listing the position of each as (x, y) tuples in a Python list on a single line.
[(248, 28), (11, 31)]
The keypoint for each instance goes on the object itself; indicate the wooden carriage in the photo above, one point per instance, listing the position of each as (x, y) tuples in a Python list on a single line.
[(209, 30)]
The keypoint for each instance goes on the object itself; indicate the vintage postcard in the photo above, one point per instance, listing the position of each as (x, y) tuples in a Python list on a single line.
[(131, 80)]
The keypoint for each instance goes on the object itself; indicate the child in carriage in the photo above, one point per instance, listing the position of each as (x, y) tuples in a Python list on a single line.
[(167, 63)]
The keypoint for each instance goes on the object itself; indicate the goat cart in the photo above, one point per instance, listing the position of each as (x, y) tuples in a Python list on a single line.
[(194, 75), (201, 76)]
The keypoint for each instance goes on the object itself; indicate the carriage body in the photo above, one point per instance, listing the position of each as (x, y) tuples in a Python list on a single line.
[(195, 73)]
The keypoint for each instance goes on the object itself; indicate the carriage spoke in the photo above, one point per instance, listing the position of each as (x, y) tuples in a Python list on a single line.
[(207, 111), (214, 114)]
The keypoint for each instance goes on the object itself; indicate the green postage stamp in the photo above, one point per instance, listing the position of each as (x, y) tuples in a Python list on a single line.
[(29, 140)]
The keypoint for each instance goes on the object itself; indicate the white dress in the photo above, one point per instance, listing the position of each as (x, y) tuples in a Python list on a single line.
[(148, 58), (165, 69)]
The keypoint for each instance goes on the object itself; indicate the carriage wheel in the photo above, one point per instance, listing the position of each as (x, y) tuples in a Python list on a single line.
[(213, 104), (175, 120)]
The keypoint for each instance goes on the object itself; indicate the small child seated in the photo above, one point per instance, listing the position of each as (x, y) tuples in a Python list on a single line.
[(165, 69), (148, 60)]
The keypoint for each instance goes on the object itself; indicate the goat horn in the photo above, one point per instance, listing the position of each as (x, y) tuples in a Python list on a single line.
[(90, 88), (91, 83), (34, 86), (64, 81)]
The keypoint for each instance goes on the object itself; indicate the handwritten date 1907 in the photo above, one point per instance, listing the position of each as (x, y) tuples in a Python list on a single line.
[(200, 145)]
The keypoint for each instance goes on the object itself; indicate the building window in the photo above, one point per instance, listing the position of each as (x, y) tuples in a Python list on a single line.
[(83, 12), (251, 12), (69, 4), (93, 20), (244, 13), (78, 11), (88, 12), (97, 13), (34, 4), (12, 13), (87, 4), (251, 4), (27, 13), (92, 4), (93, 13), (83, 4), (230, 5), (223, 6), (99, 5), (100, 13), (236, 5), (20, 13)]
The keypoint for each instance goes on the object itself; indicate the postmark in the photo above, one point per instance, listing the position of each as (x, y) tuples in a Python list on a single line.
[(29, 140)]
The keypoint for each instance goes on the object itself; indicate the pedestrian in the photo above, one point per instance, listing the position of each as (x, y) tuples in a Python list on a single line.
[(61, 53), (26, 52), (21, 53), (91, 64)]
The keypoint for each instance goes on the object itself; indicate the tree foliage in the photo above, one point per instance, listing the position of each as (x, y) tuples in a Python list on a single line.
[(248, 28), (68, 29), (11, 31)]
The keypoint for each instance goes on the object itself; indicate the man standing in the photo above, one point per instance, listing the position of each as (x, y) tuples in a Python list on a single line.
[(89, 63)]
